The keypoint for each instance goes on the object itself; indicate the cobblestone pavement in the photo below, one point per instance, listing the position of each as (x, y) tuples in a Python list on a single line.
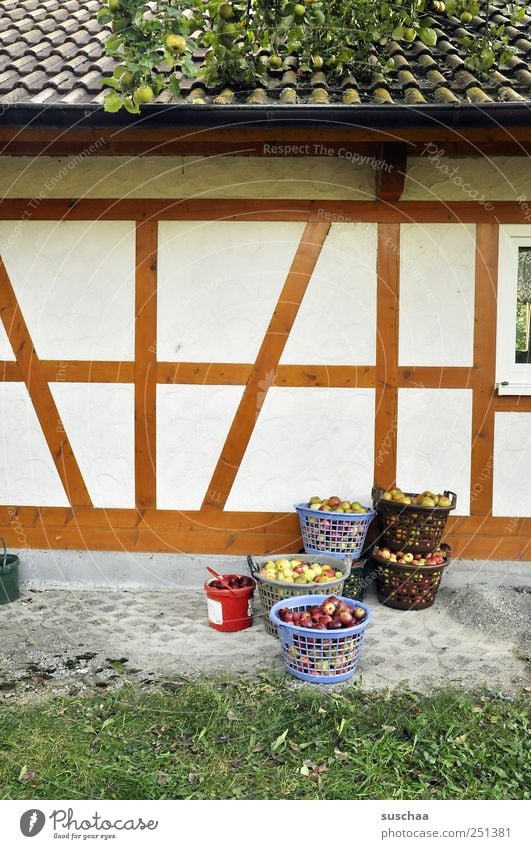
[(78, 639)]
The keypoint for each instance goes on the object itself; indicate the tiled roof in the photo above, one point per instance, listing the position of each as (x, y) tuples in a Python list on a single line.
[(52, 52)]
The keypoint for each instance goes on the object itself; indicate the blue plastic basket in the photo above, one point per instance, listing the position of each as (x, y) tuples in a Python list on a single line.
[(337, 534), (323, 657)]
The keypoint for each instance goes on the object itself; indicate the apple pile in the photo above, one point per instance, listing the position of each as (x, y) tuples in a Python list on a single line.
[(336, 505), (296, 571), (422, 499), (331, 615), (343, 654), (435, 558), (235, 582)]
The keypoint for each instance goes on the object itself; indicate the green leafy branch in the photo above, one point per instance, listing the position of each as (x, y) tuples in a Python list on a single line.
[(240, 42)]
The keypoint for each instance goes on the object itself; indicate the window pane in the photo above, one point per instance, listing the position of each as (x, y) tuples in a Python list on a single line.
[(523, 307)]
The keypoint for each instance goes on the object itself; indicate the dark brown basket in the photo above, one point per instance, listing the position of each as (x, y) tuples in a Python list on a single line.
[(407, 587), (408, 527)]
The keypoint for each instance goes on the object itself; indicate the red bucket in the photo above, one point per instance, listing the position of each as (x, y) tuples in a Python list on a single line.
[(230, 611)]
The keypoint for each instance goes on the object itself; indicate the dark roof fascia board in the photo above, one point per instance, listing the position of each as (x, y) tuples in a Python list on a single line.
[(429, 117)]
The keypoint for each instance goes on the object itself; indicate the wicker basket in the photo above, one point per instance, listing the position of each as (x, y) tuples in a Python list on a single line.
[(407, 587), (273, 591), (409, 527), (356, 582)]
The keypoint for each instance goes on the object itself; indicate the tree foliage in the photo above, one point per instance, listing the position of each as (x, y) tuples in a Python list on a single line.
[(240, 41)]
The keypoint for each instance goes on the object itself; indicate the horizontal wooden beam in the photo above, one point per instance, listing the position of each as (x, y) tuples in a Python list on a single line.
[(150, 139), (208, 374), (325, 376), (512, 403), (192, 521), (436, 377), (242, 209)]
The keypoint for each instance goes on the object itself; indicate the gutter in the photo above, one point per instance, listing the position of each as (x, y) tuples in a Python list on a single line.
[(429, 117)]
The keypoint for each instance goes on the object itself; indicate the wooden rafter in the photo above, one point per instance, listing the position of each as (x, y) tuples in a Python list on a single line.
[(45, 407), (391, 172), (264, 369)]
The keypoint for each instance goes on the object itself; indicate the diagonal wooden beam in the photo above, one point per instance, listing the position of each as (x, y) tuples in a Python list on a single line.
[(145, 364), (34, 377), (263, 372)]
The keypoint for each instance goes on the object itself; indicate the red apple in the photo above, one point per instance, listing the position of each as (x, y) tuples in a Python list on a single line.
[(358, 613), (346, 618)]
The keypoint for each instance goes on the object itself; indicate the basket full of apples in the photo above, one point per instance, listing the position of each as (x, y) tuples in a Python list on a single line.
[(408, 581), (334, 526), (321, 636), (295, 575), (412, 522)]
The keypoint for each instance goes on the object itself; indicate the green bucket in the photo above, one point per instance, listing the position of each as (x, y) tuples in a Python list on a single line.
[(8, 576)]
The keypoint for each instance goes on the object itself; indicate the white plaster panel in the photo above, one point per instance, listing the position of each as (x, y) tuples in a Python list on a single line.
[(99, 421), (437, 272), (314, 176), (434, 438), (27, 472), (6, 351), (219, 282), (512, 464), (306, 442), (74, 281), (435, 176), (336, 323), (192, 425)]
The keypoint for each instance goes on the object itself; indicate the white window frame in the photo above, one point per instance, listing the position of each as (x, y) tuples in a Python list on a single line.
[(511, 378)]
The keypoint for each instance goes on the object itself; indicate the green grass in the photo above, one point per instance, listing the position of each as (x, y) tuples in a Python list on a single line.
[(264, 739)]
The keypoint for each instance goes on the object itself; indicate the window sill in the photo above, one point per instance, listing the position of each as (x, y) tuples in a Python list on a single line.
[(507, 388)]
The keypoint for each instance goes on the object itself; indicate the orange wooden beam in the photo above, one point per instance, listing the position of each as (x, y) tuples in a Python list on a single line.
[(34, 377), (387, 299), (482, 457), (146, 364)]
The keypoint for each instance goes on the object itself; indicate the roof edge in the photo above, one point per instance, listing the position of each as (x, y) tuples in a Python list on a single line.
[(454, 116)]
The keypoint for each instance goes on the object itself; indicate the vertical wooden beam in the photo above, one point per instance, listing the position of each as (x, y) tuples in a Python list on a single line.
[(264, 369), (146, 364), (485, 310), (385, 438), (34, 377)]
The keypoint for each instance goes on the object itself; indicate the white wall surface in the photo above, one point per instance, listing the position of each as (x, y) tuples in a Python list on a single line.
[(192, 424), (434, 176), (512, 464), (74, 281), (99, 421), (219, 283), (336, 323), (315, 441), (315, 177), (27, 471), (434, 434), (6, 351), (437, 269)]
